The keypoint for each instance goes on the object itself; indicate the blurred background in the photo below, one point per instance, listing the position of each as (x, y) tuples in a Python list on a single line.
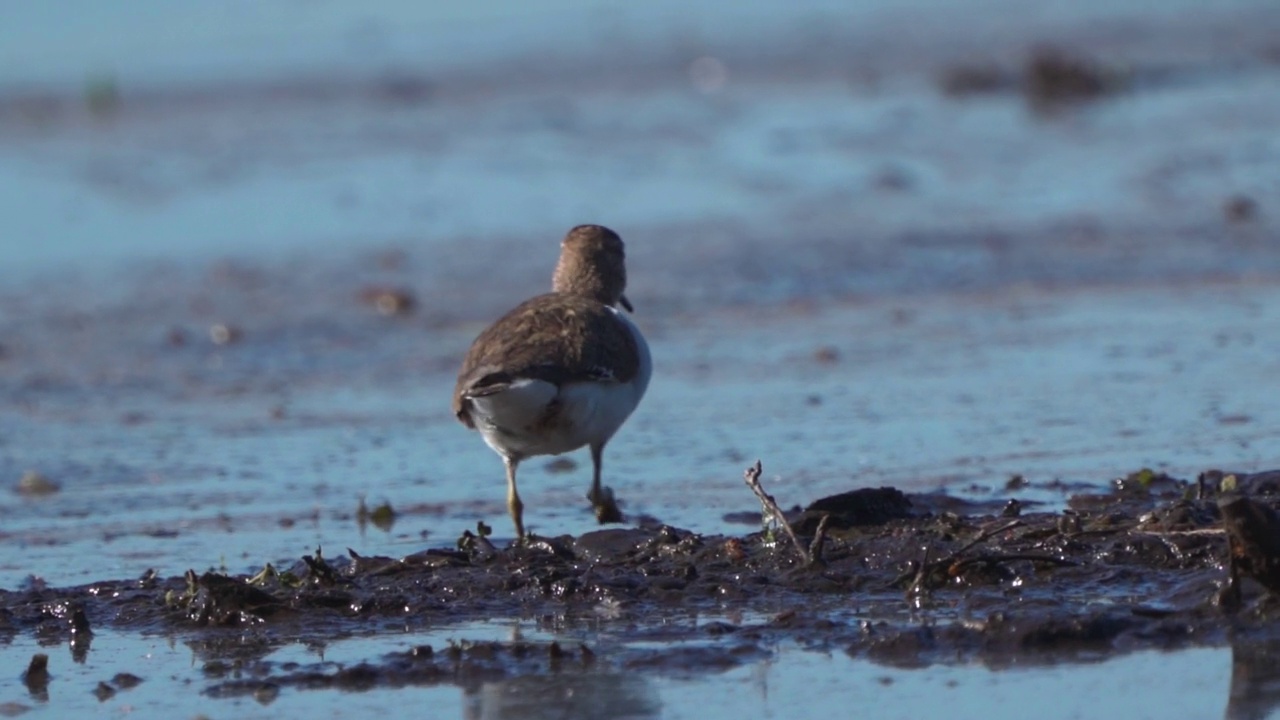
[(828, 147), (929, 244)]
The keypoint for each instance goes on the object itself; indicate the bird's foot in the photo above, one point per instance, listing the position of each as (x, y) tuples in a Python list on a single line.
[(605, 507)]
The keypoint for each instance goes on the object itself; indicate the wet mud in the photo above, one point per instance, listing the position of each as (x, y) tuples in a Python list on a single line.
[(902, 580)]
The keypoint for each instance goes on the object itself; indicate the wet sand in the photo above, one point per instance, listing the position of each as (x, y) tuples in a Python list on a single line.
[(262, 448)]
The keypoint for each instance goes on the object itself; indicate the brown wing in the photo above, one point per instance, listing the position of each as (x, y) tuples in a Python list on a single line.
[(554, 337)]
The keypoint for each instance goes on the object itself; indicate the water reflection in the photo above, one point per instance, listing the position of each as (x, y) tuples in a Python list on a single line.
[(80, 644), (1255, 680), (565, 697), (36, 678), (220, 651)]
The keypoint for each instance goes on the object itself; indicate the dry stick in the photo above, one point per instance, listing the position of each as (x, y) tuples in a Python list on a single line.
[(771, 509)]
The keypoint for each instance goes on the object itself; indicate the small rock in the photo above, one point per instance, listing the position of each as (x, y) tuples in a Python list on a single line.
[(826, 355), (389, 301), (223, 334), (126, 681), (1240, 209), (1055, 77), (33, 484), (1016, 482), (37, 672), (864, 506)]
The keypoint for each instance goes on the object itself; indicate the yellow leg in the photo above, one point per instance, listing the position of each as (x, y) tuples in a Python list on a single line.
[(514, 506)]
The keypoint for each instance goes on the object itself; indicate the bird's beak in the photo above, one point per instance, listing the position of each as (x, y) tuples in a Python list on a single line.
[(624, 302)]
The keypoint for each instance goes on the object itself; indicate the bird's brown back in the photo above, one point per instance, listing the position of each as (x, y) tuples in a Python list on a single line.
[(554, 337)]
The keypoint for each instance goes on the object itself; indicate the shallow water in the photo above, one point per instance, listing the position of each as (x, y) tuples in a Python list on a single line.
[(842, 271), (246, 467), (1134, 686)]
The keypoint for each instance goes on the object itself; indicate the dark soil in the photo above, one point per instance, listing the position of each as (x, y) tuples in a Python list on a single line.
[(903, 580)]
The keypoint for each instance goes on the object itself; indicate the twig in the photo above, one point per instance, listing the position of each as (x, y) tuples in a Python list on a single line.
[(771, 509), (918, 587), (918, 590), (1170, 533), (819, 535), (981, 538)]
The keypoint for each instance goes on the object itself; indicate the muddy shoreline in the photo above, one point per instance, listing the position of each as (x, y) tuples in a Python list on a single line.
[(904, 581)]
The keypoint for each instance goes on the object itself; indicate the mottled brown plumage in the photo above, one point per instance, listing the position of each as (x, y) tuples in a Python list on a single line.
[(583, 336), (561, 370)]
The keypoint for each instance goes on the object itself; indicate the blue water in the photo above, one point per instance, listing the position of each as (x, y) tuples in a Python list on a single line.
[(1135, 686), (536, 118)]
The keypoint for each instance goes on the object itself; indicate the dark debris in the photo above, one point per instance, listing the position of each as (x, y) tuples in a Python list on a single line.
[(1033, 588)]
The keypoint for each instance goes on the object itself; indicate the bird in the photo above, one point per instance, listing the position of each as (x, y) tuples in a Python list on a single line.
[(560, 371)]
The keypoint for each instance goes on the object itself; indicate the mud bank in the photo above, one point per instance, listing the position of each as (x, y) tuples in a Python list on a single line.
[(905, 581)]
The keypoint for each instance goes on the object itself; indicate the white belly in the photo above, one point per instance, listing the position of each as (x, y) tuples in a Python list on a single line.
[(589, 413)]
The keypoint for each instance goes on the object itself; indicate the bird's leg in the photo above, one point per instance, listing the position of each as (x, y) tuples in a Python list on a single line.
[(514, 506), (606, 508)]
